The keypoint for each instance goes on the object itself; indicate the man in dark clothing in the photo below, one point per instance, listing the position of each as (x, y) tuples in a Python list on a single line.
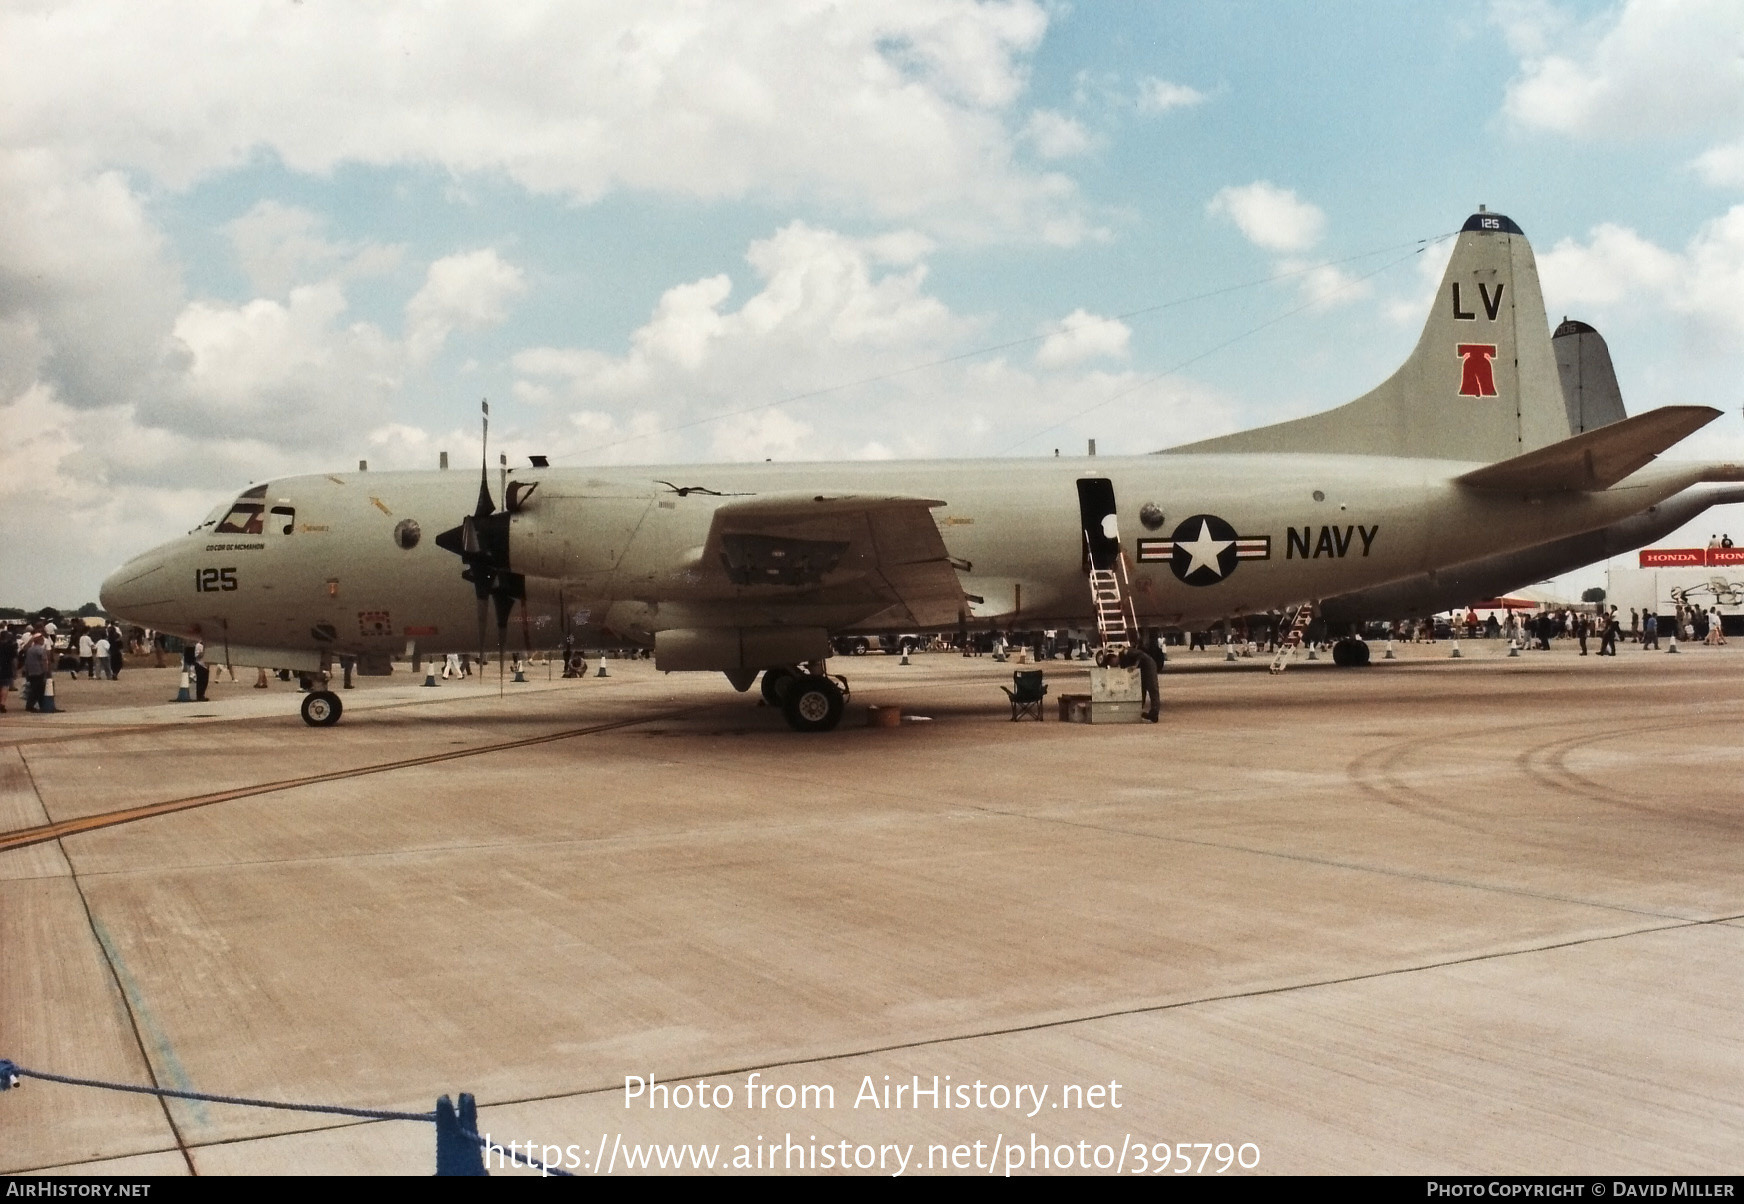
[(1650, 632), (1613, 628), (8, 663), (194, 663), (1147, 680), (116, 642)]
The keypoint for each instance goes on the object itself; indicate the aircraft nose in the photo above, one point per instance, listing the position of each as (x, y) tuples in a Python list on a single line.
[(139, 590)]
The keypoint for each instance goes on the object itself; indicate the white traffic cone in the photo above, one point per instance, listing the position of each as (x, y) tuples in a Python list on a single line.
[(1388, 655), (430, 674), (602, 668), (1457, 654), (48, 705), (185, 693), (1672, 645)]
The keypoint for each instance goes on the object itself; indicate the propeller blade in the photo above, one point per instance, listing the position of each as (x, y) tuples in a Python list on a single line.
[(485, 505)]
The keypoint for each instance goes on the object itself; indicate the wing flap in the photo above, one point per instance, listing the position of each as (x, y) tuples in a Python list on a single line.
[(883, 551), (1595, 460)]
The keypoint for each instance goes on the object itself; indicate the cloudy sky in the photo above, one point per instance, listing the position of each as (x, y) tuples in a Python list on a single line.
[(239, 240)]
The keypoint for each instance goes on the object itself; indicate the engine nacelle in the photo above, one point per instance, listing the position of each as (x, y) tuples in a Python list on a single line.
[(724, 649)]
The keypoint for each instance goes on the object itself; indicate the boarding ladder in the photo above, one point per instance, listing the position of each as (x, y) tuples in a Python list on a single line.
[(1111, 595), (1293, 637)]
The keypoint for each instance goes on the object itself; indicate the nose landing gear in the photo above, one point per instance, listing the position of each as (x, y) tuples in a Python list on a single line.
[(322, 708)]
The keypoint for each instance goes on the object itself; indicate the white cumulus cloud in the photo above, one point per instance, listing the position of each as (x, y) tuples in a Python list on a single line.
[(1056, 136), (468, 291), (833, 355), (1270, 217), (280, 245), (1646, 69), (902, 110), (1159, 95), (1616, 270), (1082, 335), (1651, 67)]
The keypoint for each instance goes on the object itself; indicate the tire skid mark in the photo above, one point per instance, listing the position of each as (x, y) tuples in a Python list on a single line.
[(21, 837), (1547, 765), (1380, 774)]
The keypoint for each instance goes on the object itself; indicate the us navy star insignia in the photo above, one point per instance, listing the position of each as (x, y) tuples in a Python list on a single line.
[(1205, 549)]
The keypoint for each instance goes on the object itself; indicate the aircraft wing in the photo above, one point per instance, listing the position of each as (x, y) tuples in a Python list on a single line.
[(1597, 459), (882, 551)]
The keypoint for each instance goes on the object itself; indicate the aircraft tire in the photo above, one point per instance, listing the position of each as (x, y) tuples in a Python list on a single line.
[(1350, 654), (814, 703), (322, 708), (775, 684)]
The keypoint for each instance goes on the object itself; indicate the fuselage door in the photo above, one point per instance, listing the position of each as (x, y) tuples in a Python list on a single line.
[(1101, 528)]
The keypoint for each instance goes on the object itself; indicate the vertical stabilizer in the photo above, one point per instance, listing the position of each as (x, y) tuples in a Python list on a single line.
[(1589, 382), (1482, 383)]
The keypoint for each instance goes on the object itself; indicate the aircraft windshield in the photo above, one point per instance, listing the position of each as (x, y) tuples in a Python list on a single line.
[(247, 516)]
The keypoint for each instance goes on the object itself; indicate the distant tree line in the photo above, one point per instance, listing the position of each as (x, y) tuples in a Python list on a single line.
[(89, 610)]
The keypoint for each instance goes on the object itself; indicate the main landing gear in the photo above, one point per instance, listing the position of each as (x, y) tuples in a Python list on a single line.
[(811, 701), (1350, 654), (322, 708)]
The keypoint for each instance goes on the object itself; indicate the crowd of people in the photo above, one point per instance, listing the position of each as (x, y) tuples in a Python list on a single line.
[(31, 653), (1604, 624)]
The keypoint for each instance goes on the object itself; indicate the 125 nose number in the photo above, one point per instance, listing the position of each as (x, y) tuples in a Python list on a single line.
[(211, 581)]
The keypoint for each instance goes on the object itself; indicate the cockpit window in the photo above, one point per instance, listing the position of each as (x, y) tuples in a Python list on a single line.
[(284, 519), (248, 515), (245, 518)]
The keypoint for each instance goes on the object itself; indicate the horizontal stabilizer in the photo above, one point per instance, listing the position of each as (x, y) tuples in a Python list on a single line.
[(1597, 459)]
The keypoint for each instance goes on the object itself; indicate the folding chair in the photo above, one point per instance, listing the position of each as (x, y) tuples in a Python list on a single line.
[(1026, 693)]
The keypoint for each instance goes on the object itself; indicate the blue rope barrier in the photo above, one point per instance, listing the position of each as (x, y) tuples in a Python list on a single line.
[(459, 1148)]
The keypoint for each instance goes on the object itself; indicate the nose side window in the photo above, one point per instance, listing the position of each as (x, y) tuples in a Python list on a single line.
[(284, 519)]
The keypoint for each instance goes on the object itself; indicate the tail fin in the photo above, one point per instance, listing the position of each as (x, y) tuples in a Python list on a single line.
[(1482, 383), (1589, 382)]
